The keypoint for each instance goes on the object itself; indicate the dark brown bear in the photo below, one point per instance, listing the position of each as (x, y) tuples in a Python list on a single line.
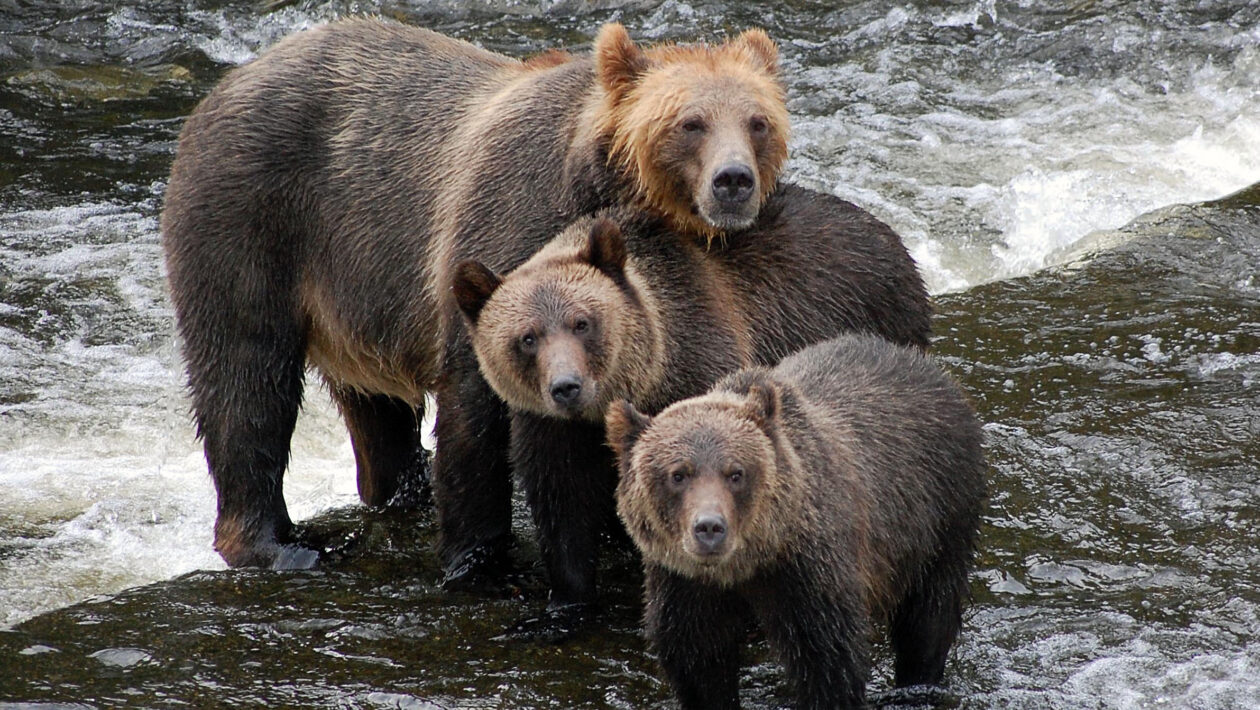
[(583, 323), (321, 194), (839, 490)]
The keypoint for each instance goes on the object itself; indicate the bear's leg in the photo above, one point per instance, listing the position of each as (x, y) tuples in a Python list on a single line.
[(472, 483), (385, 432), (925, 623), (569, 478), (246, 393), (696, 629), (821, 633)]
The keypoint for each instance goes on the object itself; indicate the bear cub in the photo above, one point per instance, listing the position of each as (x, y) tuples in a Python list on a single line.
[(618, 306), (841, 489)]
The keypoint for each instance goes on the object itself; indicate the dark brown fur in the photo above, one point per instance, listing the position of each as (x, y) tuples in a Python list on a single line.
[(665, 321), (848, 483), (318, 200)]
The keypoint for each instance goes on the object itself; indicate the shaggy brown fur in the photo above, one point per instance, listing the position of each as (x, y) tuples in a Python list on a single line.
[(841, 488), (589, 319), (676, 115), (581, 306), (320, 197)]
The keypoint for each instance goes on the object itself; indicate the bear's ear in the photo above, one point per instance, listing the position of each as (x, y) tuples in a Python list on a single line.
[(761, 49), (622, 425), (606, 248), (618, 61), (762, 405), (473, 285)]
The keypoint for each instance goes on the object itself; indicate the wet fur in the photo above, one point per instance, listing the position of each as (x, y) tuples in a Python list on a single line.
[(868, 495)]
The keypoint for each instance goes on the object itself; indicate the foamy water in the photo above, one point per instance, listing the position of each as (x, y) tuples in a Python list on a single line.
[(99, 472), (961, 126), (992, 163)]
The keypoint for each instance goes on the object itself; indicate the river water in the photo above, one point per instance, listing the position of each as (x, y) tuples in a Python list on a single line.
[(1121, 388)]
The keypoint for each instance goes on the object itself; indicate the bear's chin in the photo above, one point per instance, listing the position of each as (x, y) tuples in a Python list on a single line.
[(710, 564), (728, 221), (725, 569), (591, 412), (722, 570)]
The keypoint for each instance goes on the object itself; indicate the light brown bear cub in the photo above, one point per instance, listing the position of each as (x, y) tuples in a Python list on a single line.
[(586, 321), (841, 489), (322, 195)]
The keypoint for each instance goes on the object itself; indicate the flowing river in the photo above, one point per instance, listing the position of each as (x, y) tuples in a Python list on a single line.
[(1031, 155)]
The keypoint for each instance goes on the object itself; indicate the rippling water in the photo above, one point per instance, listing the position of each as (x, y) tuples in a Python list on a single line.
[(1120, 566)]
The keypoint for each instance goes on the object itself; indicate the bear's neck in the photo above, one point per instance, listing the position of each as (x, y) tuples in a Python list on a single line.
[(641, 361), (792, 491), (593, 180)]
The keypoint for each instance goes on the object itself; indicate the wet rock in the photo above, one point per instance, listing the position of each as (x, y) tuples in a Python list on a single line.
[(76, 84)]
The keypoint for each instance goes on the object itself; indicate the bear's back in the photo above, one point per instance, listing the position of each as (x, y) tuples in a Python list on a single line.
[(888, 423), (815, 266)]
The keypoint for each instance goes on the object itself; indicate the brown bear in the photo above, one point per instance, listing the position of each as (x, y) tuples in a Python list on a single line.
[(321, 195), (840, 489), (594, 317)]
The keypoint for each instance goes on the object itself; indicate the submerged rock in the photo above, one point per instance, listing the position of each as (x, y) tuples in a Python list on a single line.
[(73, 84)]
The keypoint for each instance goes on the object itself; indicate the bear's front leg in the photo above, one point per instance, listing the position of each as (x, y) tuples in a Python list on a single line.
[(569, 479), (472, 482), (816, 622), (696, 629)]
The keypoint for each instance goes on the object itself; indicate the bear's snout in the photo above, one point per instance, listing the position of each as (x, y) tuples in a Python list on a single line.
[(566, 390), (730, 199), (734, 184), (708, 511), (566, 384), (709, 530)]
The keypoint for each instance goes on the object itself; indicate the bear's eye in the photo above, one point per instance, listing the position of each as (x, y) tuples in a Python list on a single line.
[(693, 125), (528, 341), (581, 325), (758, 125), (735, 475), (678, 476)]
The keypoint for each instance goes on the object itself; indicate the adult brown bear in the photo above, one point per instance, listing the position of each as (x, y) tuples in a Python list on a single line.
[(626, 309), (321, 194)]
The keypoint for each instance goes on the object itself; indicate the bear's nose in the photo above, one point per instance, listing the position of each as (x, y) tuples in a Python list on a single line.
[(734, 184), (710, 531), (566, 389)]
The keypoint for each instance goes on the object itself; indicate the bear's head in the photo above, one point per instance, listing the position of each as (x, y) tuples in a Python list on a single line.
[(566, 332), (701, 131), (702, 492)]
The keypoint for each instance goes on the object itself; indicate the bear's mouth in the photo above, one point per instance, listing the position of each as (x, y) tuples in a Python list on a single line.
[(709, 557), (585, 405), (728, 217), (726, 221)]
